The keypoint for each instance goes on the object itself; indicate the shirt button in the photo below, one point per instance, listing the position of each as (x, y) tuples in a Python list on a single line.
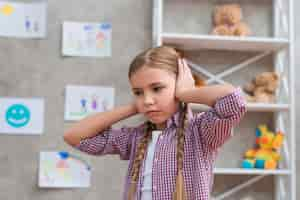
[(154, 187), (155, 160), (161, 137)]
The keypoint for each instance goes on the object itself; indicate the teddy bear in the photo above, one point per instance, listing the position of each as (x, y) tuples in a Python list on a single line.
[(227, 19), (262, 88), (266, 154)]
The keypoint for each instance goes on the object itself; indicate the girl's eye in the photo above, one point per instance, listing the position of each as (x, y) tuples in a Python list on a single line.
[(157, 89), (137, 93)]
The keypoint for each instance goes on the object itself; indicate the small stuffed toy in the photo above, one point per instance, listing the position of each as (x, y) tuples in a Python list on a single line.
[(227, 19), (198, 80), (265, 155), (262, 88)]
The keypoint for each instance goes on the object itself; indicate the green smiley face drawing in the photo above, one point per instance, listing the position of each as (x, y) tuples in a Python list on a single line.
[(17, 115)]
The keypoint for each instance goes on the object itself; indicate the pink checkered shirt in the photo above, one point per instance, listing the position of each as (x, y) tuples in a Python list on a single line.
[(207, 131)]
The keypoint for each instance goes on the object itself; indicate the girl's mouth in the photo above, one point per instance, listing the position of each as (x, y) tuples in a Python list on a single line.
[(152, 113)]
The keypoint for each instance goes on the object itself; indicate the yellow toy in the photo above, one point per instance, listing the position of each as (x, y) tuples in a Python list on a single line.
[(266, 155), (199, 81)]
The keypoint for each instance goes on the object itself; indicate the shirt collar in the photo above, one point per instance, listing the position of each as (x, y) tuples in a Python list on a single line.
[(174, 120)]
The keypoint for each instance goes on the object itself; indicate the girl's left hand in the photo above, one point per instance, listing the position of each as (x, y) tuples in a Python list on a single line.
[(185, 80)]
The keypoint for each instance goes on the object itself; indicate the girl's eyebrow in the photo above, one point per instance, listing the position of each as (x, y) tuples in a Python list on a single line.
[(151, 85)]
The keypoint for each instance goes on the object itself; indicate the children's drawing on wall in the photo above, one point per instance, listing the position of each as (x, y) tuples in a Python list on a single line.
[(83, 106), (62, 169), (21, 116), (26, 20), (84, 100), (86, 39)]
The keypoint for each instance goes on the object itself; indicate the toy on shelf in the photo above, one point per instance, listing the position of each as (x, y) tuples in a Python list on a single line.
[(199, 81), (227, 20), (262, 88), (266, 154)]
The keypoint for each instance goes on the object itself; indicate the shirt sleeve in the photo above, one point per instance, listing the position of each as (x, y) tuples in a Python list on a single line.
[(215, 125), (110, 141)]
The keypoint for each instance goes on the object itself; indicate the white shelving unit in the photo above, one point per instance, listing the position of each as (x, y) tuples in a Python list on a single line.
[(193, 41), (280, 46)]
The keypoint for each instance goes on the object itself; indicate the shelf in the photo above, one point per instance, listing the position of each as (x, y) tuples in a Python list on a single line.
[(237, 171), (276, 40), (254, 107), (197, 42)]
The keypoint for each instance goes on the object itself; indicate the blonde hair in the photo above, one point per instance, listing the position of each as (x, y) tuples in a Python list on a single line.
[(162, 57)]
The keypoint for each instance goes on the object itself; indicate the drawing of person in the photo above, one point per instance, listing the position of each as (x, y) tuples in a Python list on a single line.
[(83, 103), (104, 104), (94, 102), (27, 24), (36, 27), (100, 39)]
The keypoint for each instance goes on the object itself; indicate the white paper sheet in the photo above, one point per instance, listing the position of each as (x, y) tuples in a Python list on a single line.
[(81, 101), (24, 20), (86, 39), (21, 116), (63, 170)]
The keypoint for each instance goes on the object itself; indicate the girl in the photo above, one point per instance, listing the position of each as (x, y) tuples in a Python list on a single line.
[(171, 155)]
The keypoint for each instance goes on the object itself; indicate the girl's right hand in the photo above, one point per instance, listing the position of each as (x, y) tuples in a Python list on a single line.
[(134, 108), (94, 124)]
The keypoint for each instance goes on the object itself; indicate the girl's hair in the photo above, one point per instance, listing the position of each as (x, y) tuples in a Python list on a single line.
[(162, 57)]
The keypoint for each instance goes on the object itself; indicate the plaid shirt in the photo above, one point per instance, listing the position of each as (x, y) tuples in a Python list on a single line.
[(206, 132)]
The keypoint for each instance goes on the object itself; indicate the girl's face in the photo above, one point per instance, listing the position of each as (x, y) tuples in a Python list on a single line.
[(154, 91)]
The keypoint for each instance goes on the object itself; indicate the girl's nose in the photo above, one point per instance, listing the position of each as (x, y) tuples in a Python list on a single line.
[(148, 100)]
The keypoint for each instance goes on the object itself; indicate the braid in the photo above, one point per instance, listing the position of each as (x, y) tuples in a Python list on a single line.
[(179, 193), (139, 157)]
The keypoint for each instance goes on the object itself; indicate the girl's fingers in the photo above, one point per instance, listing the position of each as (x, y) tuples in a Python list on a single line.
[(186, 66), (179, 70), (183, 66), (180, 67), (183, 69), (189, 71)]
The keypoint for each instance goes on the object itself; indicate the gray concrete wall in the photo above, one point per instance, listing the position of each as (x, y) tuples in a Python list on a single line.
[(35, 68)]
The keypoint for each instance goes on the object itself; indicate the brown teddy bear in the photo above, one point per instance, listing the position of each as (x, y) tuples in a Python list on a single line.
[(262, 88), (227, 19)]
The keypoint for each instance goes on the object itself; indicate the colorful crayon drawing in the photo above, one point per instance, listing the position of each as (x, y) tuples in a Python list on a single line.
[(86, 39), (62, 169), (82, 101), (24, 20)]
